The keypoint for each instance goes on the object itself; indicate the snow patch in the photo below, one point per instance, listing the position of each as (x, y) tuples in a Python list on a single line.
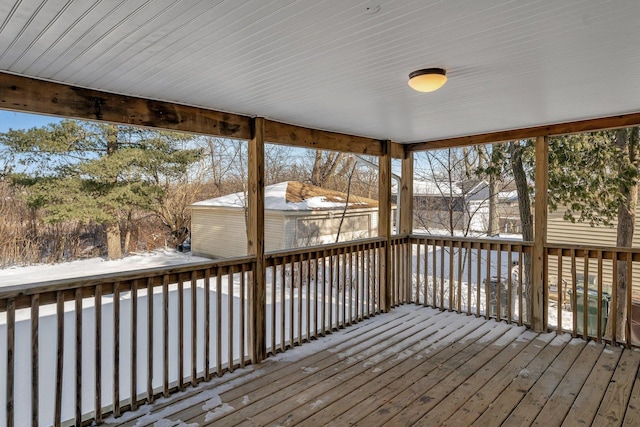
[(524, 373), (317, 403), (169, 423), (225, 408), (246, 400), (309, 370), (214, 402), (376, 370)]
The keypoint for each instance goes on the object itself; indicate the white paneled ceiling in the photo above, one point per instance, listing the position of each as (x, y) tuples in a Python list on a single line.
[(335, 65)]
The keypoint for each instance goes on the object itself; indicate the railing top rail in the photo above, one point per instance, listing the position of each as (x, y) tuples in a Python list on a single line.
[(556, 246), (320, 248), (470, 239), (33, 288)]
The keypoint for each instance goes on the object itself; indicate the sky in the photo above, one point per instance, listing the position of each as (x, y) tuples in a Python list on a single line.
[(14, 120)]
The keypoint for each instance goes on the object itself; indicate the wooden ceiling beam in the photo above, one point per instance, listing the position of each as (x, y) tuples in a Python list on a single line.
[(613, 122), (20, 93)]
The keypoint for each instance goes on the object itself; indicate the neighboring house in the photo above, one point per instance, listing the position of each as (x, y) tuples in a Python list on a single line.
[(442, 205), (563, 232), (296, 215), (508, 213)]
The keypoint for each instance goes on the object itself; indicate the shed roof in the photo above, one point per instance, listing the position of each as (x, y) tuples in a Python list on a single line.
[(294, 196)]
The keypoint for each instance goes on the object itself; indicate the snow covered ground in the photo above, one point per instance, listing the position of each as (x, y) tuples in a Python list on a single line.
[(69, 270)]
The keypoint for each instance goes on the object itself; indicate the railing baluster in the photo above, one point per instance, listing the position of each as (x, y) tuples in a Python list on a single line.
[(442, 306), (350, 285), (434, 282), (180, 333), (331, 278), (585, 295), (452, 278), (59, 357), (418, 281), (478, 278), (283, 305), (344, 288), (207, 324), (243, 272), (459, 295), (469, 269), (150, 349), (35, 358), (600, 296), (629, 287), (574, 296), (487, 284), (165, 335), (560, 291), (509, 283), (425, 275), (366, 276), (499, 282), (11, 348), (98, 355), (219, 322), (116, 349), (358, 306), (78, 353), (614, 298), (274, 280), (316, 265), (308, 279), (230, 336), (362, 284), (300, 266), (134, 345), (194, 329), (292, 295), (520, 286)]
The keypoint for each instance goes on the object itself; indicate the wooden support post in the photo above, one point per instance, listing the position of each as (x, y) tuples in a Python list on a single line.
[(406, 219), (538, 279), (255, 243), (384, 223)]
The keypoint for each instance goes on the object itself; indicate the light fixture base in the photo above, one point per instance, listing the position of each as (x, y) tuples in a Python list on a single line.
[(428, 79)]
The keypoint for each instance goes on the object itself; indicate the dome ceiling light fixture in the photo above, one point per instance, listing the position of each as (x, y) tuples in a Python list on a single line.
[(428, 79)]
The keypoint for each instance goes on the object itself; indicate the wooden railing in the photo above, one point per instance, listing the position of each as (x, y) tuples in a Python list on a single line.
[(484, 277), (77, 350), (100, 345), (582, 277), (314, 291)]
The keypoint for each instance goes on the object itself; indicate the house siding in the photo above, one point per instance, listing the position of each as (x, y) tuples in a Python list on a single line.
[(221, 232), (562, 232)]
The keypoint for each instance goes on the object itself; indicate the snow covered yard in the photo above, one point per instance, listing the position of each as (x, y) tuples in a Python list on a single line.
[(288, 308)]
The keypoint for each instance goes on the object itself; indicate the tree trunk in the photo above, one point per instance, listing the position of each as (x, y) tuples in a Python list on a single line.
[(626, 141), (127, 241), (114, 248), (493, 228), (526, 218)]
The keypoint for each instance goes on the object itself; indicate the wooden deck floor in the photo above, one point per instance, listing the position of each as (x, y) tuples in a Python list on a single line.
[(419, 366)]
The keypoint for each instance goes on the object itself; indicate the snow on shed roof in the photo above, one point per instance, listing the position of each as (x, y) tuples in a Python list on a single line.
[(294, 196)]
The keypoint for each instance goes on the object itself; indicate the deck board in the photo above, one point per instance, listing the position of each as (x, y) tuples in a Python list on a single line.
[(418, 366)]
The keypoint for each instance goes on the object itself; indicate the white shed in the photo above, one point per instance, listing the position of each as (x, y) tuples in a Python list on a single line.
[(296, 215)]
